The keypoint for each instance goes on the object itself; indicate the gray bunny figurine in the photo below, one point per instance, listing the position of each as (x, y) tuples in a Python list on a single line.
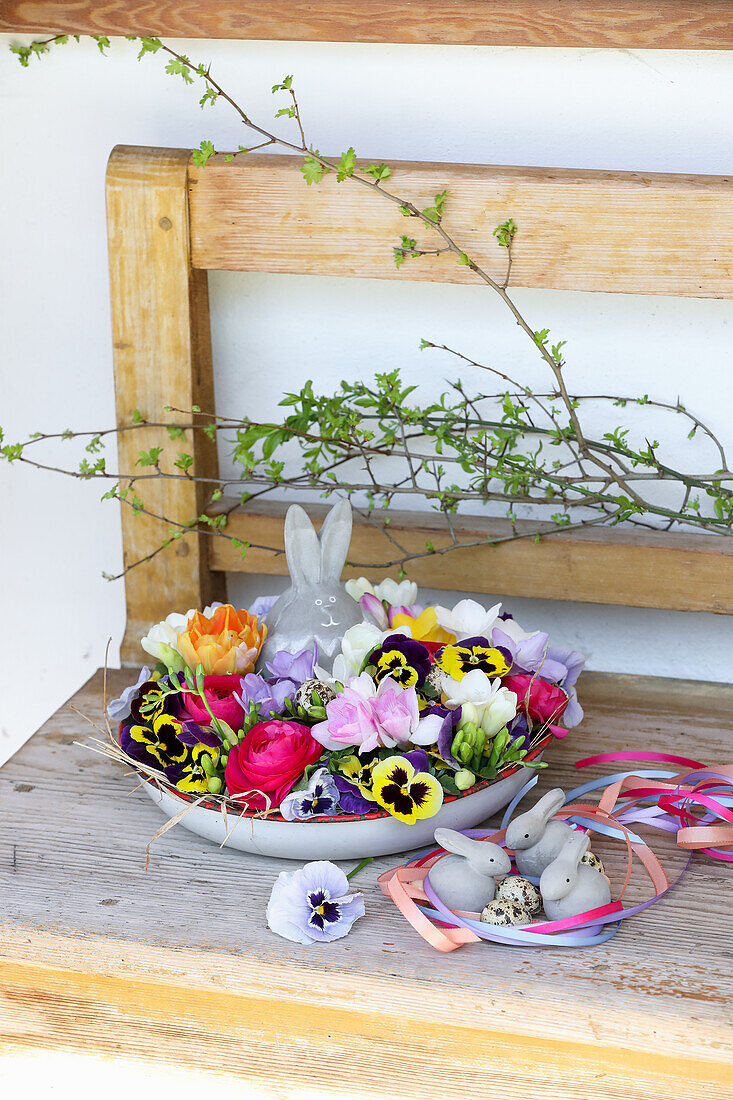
[(316, 610), (465, 880), (535, 839), (569, 887)]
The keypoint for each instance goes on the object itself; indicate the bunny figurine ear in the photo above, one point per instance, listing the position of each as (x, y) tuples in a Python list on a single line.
[(302, 549), (550, 803), (454, 842), (576, 846), (335, 539)]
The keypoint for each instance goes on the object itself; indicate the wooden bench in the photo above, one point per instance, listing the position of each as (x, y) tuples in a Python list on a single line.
[(175, 967)]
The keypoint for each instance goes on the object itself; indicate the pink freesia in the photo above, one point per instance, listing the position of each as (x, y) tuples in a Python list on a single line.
[(368, 716), (374, 608)]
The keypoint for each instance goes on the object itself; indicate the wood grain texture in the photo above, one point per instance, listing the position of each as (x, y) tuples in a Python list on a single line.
[(597, 565), (636, 233), (162, 356), (175, 967), (626, 24)]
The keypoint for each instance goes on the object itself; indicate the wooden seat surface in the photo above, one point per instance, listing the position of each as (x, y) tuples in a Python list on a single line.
[(175, 966)]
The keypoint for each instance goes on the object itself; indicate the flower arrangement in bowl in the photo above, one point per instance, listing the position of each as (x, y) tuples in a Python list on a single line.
[(418, 717)]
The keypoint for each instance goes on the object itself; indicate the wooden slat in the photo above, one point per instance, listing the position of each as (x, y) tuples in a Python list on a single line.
[(162, 356), (629, 24), (607, 566), (174, 967), (577, 230)]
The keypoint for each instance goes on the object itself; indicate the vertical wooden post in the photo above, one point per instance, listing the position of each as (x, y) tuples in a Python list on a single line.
[(162, 356)]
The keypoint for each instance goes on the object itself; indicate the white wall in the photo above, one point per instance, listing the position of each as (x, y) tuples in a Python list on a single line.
[(651, 110)]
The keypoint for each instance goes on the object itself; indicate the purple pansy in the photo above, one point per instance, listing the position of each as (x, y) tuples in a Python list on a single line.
[(440, 724), (404, 659), (319, 799), (351, 800), (119, 709), (312, 905)]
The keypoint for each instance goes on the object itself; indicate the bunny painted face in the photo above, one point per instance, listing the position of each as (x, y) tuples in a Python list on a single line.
[(316, 611)]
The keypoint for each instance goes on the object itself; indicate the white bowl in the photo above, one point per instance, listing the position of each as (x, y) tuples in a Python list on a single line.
[(334, 838)]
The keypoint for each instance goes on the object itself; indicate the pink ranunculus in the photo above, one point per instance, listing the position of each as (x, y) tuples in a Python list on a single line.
[(221, 697), (542, 701), (369, 717), (271, 759)]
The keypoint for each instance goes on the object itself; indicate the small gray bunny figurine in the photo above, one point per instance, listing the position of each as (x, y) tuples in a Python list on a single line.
[(316, 610), (465, 880), (535, 839), (569, 887)]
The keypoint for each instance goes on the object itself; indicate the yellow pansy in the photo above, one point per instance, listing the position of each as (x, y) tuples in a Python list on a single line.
[(408, 795)]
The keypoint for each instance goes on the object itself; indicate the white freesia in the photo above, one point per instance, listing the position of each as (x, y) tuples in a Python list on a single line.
[(397, 594), (356, 643), (161, 641), (357, 588), (468, 619), (483, 701)]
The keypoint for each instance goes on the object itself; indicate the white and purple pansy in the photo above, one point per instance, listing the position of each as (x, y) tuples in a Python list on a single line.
[(319, 799), (312, 904)]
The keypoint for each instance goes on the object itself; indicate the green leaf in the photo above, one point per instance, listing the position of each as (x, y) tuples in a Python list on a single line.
[(210, 96), (379, 171), (180, 67), (204, 153), (313, 171), (285, 86), (505, 233), (346, 165)]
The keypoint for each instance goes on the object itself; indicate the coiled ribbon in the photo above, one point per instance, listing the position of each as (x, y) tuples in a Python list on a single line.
[(695, 804)]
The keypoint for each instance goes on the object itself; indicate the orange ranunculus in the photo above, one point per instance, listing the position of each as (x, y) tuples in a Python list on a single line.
[(225, 643), (425, 627)]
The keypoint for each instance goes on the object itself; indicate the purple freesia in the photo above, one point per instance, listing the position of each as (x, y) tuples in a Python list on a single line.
[(530, 655), (270, 694), (574, 662), (312, 905), (297, 667), (263, 605)]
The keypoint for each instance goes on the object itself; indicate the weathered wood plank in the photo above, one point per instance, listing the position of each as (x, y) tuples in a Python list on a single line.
[(637, 233), (623, 24), (162, 355), (175, 967), (595, 565)]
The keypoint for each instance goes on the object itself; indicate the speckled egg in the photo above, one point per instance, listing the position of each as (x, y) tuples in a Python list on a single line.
[(520, 890), (504, 912), (435, 678), (593, 861), (302, 697)]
